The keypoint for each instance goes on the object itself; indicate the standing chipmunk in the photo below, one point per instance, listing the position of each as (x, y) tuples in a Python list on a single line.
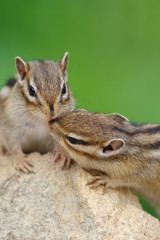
[(124, 154), (36, 95)]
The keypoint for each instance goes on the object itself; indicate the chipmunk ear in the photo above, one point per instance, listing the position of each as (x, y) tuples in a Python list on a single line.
[(112, 147), (63, 62), (22, 68), (119, 118)]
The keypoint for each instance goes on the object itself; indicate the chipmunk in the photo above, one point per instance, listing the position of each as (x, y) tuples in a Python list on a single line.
[(36, 95), (122, 153)]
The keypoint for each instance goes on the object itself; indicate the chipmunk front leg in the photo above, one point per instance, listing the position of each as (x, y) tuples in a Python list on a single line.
[(98, 179), (21, 161), (60, 155)]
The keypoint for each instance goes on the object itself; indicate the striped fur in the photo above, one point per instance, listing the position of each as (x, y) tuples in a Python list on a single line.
[(129, 154), (34, 98)]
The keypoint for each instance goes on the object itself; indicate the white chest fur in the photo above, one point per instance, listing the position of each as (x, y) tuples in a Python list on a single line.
[(35, 136)]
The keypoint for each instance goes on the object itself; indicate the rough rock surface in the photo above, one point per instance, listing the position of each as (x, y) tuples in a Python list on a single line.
[(55, 204)]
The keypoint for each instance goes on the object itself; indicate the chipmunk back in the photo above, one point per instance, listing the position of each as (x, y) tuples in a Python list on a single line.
[(128, 154), (41, 93)]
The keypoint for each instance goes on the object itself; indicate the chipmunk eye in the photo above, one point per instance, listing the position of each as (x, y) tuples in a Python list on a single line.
[(32, 91), (64, 89), (75, 141)]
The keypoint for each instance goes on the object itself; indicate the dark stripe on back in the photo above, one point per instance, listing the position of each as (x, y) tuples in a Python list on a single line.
[(151, 130), (135, 124), (150, 146)]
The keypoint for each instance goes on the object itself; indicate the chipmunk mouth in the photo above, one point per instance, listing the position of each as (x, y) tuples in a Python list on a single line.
[(53, 120), (52, 125), (50, 116), (55, 117)]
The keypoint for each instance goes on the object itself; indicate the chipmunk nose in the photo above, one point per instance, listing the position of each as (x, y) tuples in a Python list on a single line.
[(51, 107)]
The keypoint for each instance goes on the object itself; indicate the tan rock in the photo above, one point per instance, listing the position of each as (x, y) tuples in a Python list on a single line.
[(55, 204)]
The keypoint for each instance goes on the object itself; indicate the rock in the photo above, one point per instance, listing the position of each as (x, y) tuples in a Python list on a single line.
[(54, 204)]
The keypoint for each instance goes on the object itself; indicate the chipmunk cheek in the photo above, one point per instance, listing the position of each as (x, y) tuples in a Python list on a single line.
[(64, 105), (44, 110), (57, 109)]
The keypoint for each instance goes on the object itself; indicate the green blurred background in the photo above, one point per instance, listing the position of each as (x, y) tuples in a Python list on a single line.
[(114, 50)]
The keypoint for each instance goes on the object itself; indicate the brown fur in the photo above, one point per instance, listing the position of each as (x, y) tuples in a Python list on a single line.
[(135, 164), (23, 117)]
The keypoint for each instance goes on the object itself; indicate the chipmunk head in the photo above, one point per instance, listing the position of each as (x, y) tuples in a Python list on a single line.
[(45, 88), (89, 135)]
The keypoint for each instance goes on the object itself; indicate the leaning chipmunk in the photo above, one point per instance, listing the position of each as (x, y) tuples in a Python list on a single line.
[(36, 95), (123, 154)]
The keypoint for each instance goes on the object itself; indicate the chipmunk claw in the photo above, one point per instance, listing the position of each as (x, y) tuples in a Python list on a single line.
[(63, 158), (60, 155), (24, 165), (66, 162), (97, 181)]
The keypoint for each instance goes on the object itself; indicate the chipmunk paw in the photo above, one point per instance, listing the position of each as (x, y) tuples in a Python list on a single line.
[(63, 158), (23, 164), (97, 181)]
